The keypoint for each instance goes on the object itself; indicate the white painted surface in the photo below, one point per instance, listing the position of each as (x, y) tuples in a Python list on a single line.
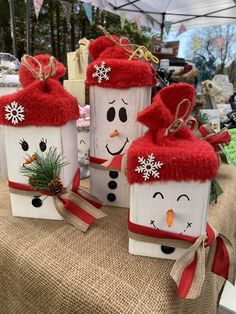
[(99, 180), (83, 139), (151, 212), (63, 138), (3, 161), (101, 100), (228, 299), (77, 89)]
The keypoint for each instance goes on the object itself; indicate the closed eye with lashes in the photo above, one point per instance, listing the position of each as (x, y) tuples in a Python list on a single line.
[(43, 145)]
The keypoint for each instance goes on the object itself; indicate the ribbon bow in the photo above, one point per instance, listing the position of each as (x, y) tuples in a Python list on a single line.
[(76, 206), (206, 133), (180, 121), (188, 271), (43, 72)]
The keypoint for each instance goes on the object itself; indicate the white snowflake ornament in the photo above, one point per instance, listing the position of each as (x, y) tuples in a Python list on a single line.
[(149, 167), (101, 72), (14, 113)]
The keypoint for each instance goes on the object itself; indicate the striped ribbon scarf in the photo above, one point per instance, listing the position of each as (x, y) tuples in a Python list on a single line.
[(75, 205), (189, 270)]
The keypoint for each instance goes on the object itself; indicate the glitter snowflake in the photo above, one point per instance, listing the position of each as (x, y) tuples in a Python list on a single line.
[(14, 112), (101, 72), (149, 167)]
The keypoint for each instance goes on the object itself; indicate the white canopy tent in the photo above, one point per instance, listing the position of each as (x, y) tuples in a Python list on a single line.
[(157, 13)]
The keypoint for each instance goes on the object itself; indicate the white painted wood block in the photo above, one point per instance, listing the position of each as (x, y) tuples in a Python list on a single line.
[(150, 202), (63, 138), (83, 138), (114, 109), (77, 89), (228, 299), (3, 161)]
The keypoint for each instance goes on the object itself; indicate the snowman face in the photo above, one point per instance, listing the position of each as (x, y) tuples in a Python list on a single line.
[(113, 118), (177, 207), (22, 143), (83, 144)]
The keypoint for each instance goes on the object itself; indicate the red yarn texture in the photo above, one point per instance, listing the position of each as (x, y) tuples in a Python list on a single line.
[(124, 73), (26, 77), (46, 103), (184, 156)]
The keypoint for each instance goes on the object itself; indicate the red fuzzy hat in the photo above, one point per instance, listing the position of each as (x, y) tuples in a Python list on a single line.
[(170, 150), (42, 103), (37, 63), (112, 67)]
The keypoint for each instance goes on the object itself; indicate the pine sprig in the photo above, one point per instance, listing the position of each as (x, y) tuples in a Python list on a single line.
[(203, 118), (44, 169)]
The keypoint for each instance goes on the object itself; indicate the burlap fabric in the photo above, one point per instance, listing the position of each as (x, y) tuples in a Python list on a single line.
[(51, 267)]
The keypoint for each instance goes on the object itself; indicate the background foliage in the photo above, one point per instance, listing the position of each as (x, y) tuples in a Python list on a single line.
[(52, 34)]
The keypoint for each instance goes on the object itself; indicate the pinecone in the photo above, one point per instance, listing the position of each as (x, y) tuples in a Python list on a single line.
[(56, 187)]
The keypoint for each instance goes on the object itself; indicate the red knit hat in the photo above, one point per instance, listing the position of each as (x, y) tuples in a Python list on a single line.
[(35, 63), (111, 67), (170, 150), (42, 103)]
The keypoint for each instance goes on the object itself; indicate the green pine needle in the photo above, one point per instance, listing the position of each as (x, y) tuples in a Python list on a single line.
[(44, 169)]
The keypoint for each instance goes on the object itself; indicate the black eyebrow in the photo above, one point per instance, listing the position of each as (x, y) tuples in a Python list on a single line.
[(111, 102), (156, 193), (183, 195), (124, 102)]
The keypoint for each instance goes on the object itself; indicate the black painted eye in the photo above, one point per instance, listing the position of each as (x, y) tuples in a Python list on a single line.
[(43, 145), (123, 114), (111, 114), (24, 145)]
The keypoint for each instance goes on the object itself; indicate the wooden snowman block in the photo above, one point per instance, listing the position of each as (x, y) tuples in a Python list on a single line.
[(40, 116), (152, 205), (119, 88), (170, 172), (77, 62), (83, 138), (9, 83), (77, 89)]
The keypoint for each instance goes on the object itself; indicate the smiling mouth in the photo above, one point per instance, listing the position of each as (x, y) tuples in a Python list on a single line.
[(119, 151)]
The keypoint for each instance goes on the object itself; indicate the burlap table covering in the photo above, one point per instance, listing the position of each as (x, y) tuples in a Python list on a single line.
[(50, 267)]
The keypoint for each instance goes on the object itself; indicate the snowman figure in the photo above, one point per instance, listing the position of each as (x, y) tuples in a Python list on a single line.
[(83, 138), (170, 172), (119, 87), (9, 83), (39, 116)]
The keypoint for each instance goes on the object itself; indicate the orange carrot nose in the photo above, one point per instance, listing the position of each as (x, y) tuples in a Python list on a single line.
[(170, 217), (114, 133), (30, 159)]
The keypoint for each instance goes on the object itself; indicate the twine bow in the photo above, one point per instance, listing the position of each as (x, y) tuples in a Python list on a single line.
[(180, 121), (140, 52), (42, 73)]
